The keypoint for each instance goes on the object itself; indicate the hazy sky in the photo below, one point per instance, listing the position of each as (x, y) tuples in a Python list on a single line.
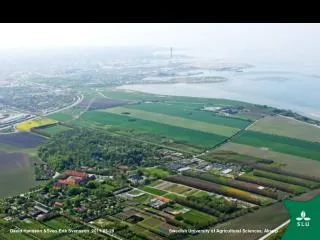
[(222, 40)]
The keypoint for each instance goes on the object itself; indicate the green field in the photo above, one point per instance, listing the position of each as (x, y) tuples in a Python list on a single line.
[(287, 127), (144, 199), (288, 162), (268, 181), (190, 112), (157, 172), (152, 190), (195, 217), (54, 130), (268, 217), (286, 179), (62, 223), (31, 224), (276, 143), (61, 116), (176, 121), (185, 135)]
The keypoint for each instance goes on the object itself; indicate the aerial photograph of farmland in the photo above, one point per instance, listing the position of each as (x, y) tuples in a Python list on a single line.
[(113, 140)]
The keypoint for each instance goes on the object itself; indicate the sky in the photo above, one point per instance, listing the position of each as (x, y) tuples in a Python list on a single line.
[(254, 40)]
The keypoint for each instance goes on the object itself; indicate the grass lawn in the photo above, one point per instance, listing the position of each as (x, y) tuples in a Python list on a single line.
[(144, 199), (152, 190), (195, 217), (52, 130), (176, 121)]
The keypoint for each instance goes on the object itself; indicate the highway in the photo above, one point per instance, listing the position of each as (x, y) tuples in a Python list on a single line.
[(79, 100)]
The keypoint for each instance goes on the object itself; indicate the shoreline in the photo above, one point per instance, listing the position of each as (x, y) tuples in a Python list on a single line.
[(306, 112)]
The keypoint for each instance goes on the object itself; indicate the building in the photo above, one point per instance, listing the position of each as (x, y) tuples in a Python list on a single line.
[(73, 178), (58, 204), (158, 202)]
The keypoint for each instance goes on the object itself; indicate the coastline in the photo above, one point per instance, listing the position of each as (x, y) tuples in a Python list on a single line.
[(172, 89)]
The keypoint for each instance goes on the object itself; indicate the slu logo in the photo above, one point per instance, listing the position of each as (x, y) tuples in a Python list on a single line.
[(305, 222)]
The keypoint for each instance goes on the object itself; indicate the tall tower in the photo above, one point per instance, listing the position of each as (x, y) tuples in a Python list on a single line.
[(171, 52)]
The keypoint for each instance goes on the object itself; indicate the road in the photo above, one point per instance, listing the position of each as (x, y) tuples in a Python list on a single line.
[(79, 100), (276, 229)]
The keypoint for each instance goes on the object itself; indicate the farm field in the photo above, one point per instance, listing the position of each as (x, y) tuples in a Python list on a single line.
[(287, 187), (281, 144), (155, 224), (195, 217), (16, 173), (153, 190), (22, 140), (288, 127), (179, 134), (220, 189), (29, 124), (176, 188), (225, 181), (286, 179), (175, 121), (31, 224), (288, 162), (52, 130), (268, 217), (61, 223), (60, 116), (190, 112)]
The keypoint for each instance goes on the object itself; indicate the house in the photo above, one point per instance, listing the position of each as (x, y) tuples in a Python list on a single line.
[(41, 207), (183, 169), (226, 171), (58, 204), (76, 174), (73, 178), (158, 202)]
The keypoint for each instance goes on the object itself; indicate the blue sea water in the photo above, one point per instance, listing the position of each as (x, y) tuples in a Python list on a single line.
[(287, 86)]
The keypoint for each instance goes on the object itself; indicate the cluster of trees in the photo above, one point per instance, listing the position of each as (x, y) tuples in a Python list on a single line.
[(288, 173), (92, 148), (286, 179), (232, 183), (270, 183)]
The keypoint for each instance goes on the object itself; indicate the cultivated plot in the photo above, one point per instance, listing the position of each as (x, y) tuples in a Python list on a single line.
[(288, 162), (176, 121), (281, 144), (288, 127)]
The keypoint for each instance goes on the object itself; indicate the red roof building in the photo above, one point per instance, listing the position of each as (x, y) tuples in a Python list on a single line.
[(75, 174)]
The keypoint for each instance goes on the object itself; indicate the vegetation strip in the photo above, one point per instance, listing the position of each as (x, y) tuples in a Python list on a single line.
[(176, 121), (232, 183), (287, 179), (212, 187)]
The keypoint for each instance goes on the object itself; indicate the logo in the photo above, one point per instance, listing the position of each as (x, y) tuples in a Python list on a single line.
[(303, 221)]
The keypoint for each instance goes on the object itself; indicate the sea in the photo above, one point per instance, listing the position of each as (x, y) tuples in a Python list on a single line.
[(283, 85)]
